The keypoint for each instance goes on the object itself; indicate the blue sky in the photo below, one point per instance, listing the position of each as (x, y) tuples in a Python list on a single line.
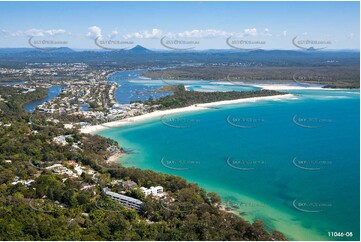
[(205, 25)]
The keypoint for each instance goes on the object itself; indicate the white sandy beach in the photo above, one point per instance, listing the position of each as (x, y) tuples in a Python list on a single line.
[(193, 108), (279, 87)]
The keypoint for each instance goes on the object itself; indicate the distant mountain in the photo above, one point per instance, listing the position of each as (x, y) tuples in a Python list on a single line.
[(139, 56), (139, 49), (63, 50)]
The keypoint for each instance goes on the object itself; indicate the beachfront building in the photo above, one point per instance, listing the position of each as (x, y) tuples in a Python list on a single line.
[(155, 191), (126, 201)]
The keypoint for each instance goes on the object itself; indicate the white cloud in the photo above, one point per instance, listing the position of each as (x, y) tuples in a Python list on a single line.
[(53, 32), (113, 34), (16, 34), (208, 33), (284, 33), (266, 32), (351, 36), (154, 33), (33, 32), (250, 32), (42, 32), (5, 33), (197, 33), (94, 32), (304, 33)]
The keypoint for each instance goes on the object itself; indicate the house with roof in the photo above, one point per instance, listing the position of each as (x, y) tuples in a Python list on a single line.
[(155, 191)]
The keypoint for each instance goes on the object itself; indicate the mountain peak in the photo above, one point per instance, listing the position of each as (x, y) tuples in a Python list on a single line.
[(139, 49)]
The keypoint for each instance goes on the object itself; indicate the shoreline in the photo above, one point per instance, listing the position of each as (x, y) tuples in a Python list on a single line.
[(193, 108), (205, 106), (113, 158), (283, 87)]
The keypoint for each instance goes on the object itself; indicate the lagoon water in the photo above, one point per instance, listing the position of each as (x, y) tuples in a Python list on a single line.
[(53, 92), (293, 163), (135, 87), (11, 83)]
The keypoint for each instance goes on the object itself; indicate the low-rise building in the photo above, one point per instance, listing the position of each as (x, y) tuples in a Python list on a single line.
[(60, 169), (62, 139), (24, 182), (155, 191), (126, 201)]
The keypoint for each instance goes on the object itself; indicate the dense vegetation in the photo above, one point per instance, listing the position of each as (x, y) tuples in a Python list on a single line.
[(14, 99), (57, 207), (333, 75), (183, 98)]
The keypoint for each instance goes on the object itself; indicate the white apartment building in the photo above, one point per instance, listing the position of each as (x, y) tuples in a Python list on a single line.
[(155, 191)]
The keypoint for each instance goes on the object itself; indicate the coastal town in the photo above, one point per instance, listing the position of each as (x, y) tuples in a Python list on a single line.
[(179, 121), (90, 99), (88, 96), (85, 93)]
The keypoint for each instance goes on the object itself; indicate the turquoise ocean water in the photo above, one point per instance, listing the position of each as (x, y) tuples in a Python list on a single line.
[(294, 163)]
